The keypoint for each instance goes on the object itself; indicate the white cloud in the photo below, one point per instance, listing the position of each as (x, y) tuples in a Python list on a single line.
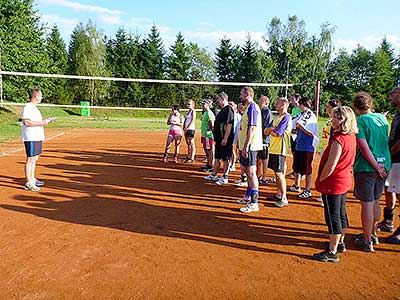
[(66, 26), (82, 7), (110, 19), (369, 42)]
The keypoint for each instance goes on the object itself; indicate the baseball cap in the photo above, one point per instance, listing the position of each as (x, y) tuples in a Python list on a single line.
[(206, 101)]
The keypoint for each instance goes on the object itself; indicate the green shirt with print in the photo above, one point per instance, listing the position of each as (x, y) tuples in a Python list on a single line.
[(205, 129), (374, 128)]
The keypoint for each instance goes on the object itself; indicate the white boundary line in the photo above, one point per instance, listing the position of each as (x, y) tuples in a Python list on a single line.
[(22, 148)]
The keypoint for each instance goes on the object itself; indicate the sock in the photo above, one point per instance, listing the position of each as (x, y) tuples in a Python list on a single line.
[(248, 192)]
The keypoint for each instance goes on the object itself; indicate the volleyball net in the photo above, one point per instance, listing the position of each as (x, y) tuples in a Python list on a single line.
[(110, 92)]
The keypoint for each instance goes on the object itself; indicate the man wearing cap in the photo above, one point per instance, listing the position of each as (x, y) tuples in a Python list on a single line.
[(207, 137), (223, 137)]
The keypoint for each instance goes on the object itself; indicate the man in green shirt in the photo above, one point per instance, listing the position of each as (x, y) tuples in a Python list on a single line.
[(207, 137), (371, 166)]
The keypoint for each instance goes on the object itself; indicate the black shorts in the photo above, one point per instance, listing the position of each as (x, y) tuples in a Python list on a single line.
[(189, 133), (277, 162), (302, 162), (251, 159), (33, 148), (263, 154), (335, 213), (292, 144), (223, 152), (368, 186)]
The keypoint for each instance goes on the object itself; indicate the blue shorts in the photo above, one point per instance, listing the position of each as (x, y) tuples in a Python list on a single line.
[(33, 148)]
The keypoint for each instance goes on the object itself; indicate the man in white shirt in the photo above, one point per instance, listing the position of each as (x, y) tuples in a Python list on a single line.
[(33, 136)]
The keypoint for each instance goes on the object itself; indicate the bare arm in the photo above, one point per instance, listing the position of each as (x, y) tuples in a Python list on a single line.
[(227, 133), (369, 157), (333, 158), (30, 123), (298, 126), (250, 132)]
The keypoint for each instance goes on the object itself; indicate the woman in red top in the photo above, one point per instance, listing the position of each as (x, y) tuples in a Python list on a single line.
[(335, 179)]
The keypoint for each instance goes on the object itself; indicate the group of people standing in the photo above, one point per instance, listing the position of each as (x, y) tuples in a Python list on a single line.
[(359, 148)]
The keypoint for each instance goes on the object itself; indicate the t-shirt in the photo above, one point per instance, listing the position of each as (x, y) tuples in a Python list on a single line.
[(32, 133), (280, 144), (374, 129), (295, 111), (205, 129), (304, 142), (251, 117), (394, 137), (225, 116), (341, 179), (267, 120)]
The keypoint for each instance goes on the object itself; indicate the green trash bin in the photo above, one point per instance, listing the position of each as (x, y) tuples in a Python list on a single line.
[(85, 109)]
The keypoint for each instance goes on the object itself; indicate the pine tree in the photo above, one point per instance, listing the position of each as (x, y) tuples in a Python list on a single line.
[(21, 48), (57, 53), (248, 61), (153, 55), (227, 60), (383, 77)]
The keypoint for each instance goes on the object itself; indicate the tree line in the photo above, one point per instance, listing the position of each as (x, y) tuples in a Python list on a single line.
[(292, 56)]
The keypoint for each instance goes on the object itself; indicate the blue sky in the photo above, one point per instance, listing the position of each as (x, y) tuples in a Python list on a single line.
[(206, 21)]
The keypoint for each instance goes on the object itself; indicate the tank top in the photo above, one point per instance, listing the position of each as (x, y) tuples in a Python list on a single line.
[(175, 119), (188, 119)]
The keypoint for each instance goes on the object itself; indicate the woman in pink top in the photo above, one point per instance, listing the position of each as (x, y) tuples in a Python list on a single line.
[(175, 120), (335, 179)]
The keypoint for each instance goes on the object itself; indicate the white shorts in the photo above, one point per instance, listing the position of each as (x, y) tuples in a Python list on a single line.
[(393, 179)]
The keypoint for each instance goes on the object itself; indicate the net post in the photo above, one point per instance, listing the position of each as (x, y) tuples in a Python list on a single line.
[(317, 90)]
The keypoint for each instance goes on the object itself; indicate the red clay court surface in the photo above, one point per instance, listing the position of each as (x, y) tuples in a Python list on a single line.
[(114, 222)]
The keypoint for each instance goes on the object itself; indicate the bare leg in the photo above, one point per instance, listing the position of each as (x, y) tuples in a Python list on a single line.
[(334, 241), (281, 185)]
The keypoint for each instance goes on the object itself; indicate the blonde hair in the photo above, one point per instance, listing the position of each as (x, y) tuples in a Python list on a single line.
[(348, 118), (248, 90)]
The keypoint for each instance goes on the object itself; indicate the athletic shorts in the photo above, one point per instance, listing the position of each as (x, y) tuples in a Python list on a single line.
[(207, 143), (33, 148), (223, 152), (277, 162), (263, 154), (302, 162), (393, 179), (189, 133), (175, 133), (251, 159), (335, 213), (368, 186)]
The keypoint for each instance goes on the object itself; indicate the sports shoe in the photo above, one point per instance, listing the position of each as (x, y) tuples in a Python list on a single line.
[(262, 182), (395, 237), (31, 187), (363, 244), (244, 200), (272, 180), (232, 168), (207, 168), (281, 203), (294, 188), (222, 180), (374, 238), (250, 207), (165, 159), (211, 177), (290, 175), (175, 159), (39, 183), (385, 226), (326, 256), (188, 160), (240, 182), (274, 198), (305, 194)]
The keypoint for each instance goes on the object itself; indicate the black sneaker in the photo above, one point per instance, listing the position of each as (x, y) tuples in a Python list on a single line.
[(386, 226), (395, 237), (326, 256), (363, 244), (374, 238)]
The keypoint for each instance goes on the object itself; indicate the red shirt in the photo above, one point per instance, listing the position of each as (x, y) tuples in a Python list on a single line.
[(341, 179)]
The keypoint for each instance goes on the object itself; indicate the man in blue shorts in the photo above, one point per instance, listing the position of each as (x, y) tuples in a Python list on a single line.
[(33, 136)]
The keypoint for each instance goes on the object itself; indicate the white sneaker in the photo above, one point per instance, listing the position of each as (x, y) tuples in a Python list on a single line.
[(241, 183), (281, 203), (211, 177), (222, 180), (232, 168), (250, 207), (243, 200), (31, 187)]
